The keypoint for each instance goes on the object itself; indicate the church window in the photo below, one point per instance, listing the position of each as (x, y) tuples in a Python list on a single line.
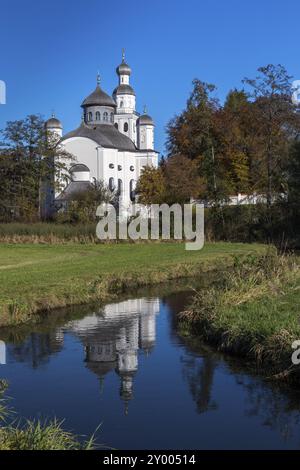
[(90, 116), (121, 104), (131, 168), (116, 125), (120, 187), (105, 116), (132, 190), (126, 127), (111, 184), (111, 165), (97, 116), (111, 117), (119, 167)]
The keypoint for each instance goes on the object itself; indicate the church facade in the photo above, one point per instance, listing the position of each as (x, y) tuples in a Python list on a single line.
[(112, 144)]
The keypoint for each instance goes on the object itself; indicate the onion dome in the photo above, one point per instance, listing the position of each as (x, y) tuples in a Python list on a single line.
[(123, 90), (145, 119), (53, 123), (123, 68), (98, 98)]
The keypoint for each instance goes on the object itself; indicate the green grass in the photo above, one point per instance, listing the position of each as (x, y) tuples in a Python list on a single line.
[(252, 312), (35, 435), (38, 277)]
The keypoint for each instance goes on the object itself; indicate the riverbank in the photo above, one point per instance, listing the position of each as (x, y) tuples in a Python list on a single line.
[(252, 312), (35, 278)]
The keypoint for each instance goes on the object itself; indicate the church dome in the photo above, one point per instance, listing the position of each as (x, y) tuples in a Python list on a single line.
[(80, 172), (79, 167), (124, 90), (53, 123), (145, 120), (98, 98), (123, 69)]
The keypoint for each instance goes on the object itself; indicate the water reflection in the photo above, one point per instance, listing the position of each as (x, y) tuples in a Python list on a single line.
[(131, 347), (113, 338)]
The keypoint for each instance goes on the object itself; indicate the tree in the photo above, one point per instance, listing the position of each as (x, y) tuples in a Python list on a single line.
[(193, 134), (28, 156), (151, 187), (278, 123), (190, 133), (83, 205), (232, 131), (182, 180)]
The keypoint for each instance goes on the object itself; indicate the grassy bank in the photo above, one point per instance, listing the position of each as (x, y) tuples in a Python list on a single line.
[(50, 233), (18, 434), (253, 312), (39, 277)]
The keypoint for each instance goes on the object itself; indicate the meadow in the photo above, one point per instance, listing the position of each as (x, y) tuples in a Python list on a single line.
[(38, 277)]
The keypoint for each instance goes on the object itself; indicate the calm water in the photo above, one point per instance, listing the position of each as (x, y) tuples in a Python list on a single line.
[(126, 367)]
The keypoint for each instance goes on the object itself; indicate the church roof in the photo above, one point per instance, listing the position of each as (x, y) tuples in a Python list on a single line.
[(53, 123), (105, 135), (99, 98), (123, 90), (73, 189), (79, 168), (145, 119), (123, 68)]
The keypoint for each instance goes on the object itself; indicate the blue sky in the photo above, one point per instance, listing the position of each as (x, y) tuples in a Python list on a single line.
[(51, 51)]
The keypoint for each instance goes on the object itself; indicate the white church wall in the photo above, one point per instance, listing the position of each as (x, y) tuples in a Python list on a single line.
[(84, 151)]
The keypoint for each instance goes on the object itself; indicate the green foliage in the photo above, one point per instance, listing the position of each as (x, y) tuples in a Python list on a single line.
[(151, 187), (83, 205), (28, 156), (277, 224), (35, 435)]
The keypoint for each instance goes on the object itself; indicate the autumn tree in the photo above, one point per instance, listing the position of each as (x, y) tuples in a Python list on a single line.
[(151, 187), (277, 125), (182, 180)]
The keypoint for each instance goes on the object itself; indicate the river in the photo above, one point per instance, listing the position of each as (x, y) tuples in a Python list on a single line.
[(126, 368)]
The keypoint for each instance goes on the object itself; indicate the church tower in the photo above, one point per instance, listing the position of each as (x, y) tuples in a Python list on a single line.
[(145, 131), (124, 96), (53, 129)]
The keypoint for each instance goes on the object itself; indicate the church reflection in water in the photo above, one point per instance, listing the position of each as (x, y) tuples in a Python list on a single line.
[(112, 340)]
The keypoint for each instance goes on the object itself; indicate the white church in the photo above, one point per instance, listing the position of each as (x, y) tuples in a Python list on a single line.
[(112, 144)]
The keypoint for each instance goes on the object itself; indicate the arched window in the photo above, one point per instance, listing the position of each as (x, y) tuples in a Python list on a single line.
[(97, 116), (90, 116), (111, 117), (105, 116), (116, 125), (120, 187), (121, 104), (111, 184), (126, 127), (132, 190)]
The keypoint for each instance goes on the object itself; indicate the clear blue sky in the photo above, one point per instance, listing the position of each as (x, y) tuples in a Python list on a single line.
[(51, 50)]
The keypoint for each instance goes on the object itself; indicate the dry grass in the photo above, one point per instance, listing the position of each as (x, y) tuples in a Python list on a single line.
[(252, 311)]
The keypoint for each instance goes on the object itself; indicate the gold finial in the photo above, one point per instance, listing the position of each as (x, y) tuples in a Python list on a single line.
[(123, 55), (98, 79)]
